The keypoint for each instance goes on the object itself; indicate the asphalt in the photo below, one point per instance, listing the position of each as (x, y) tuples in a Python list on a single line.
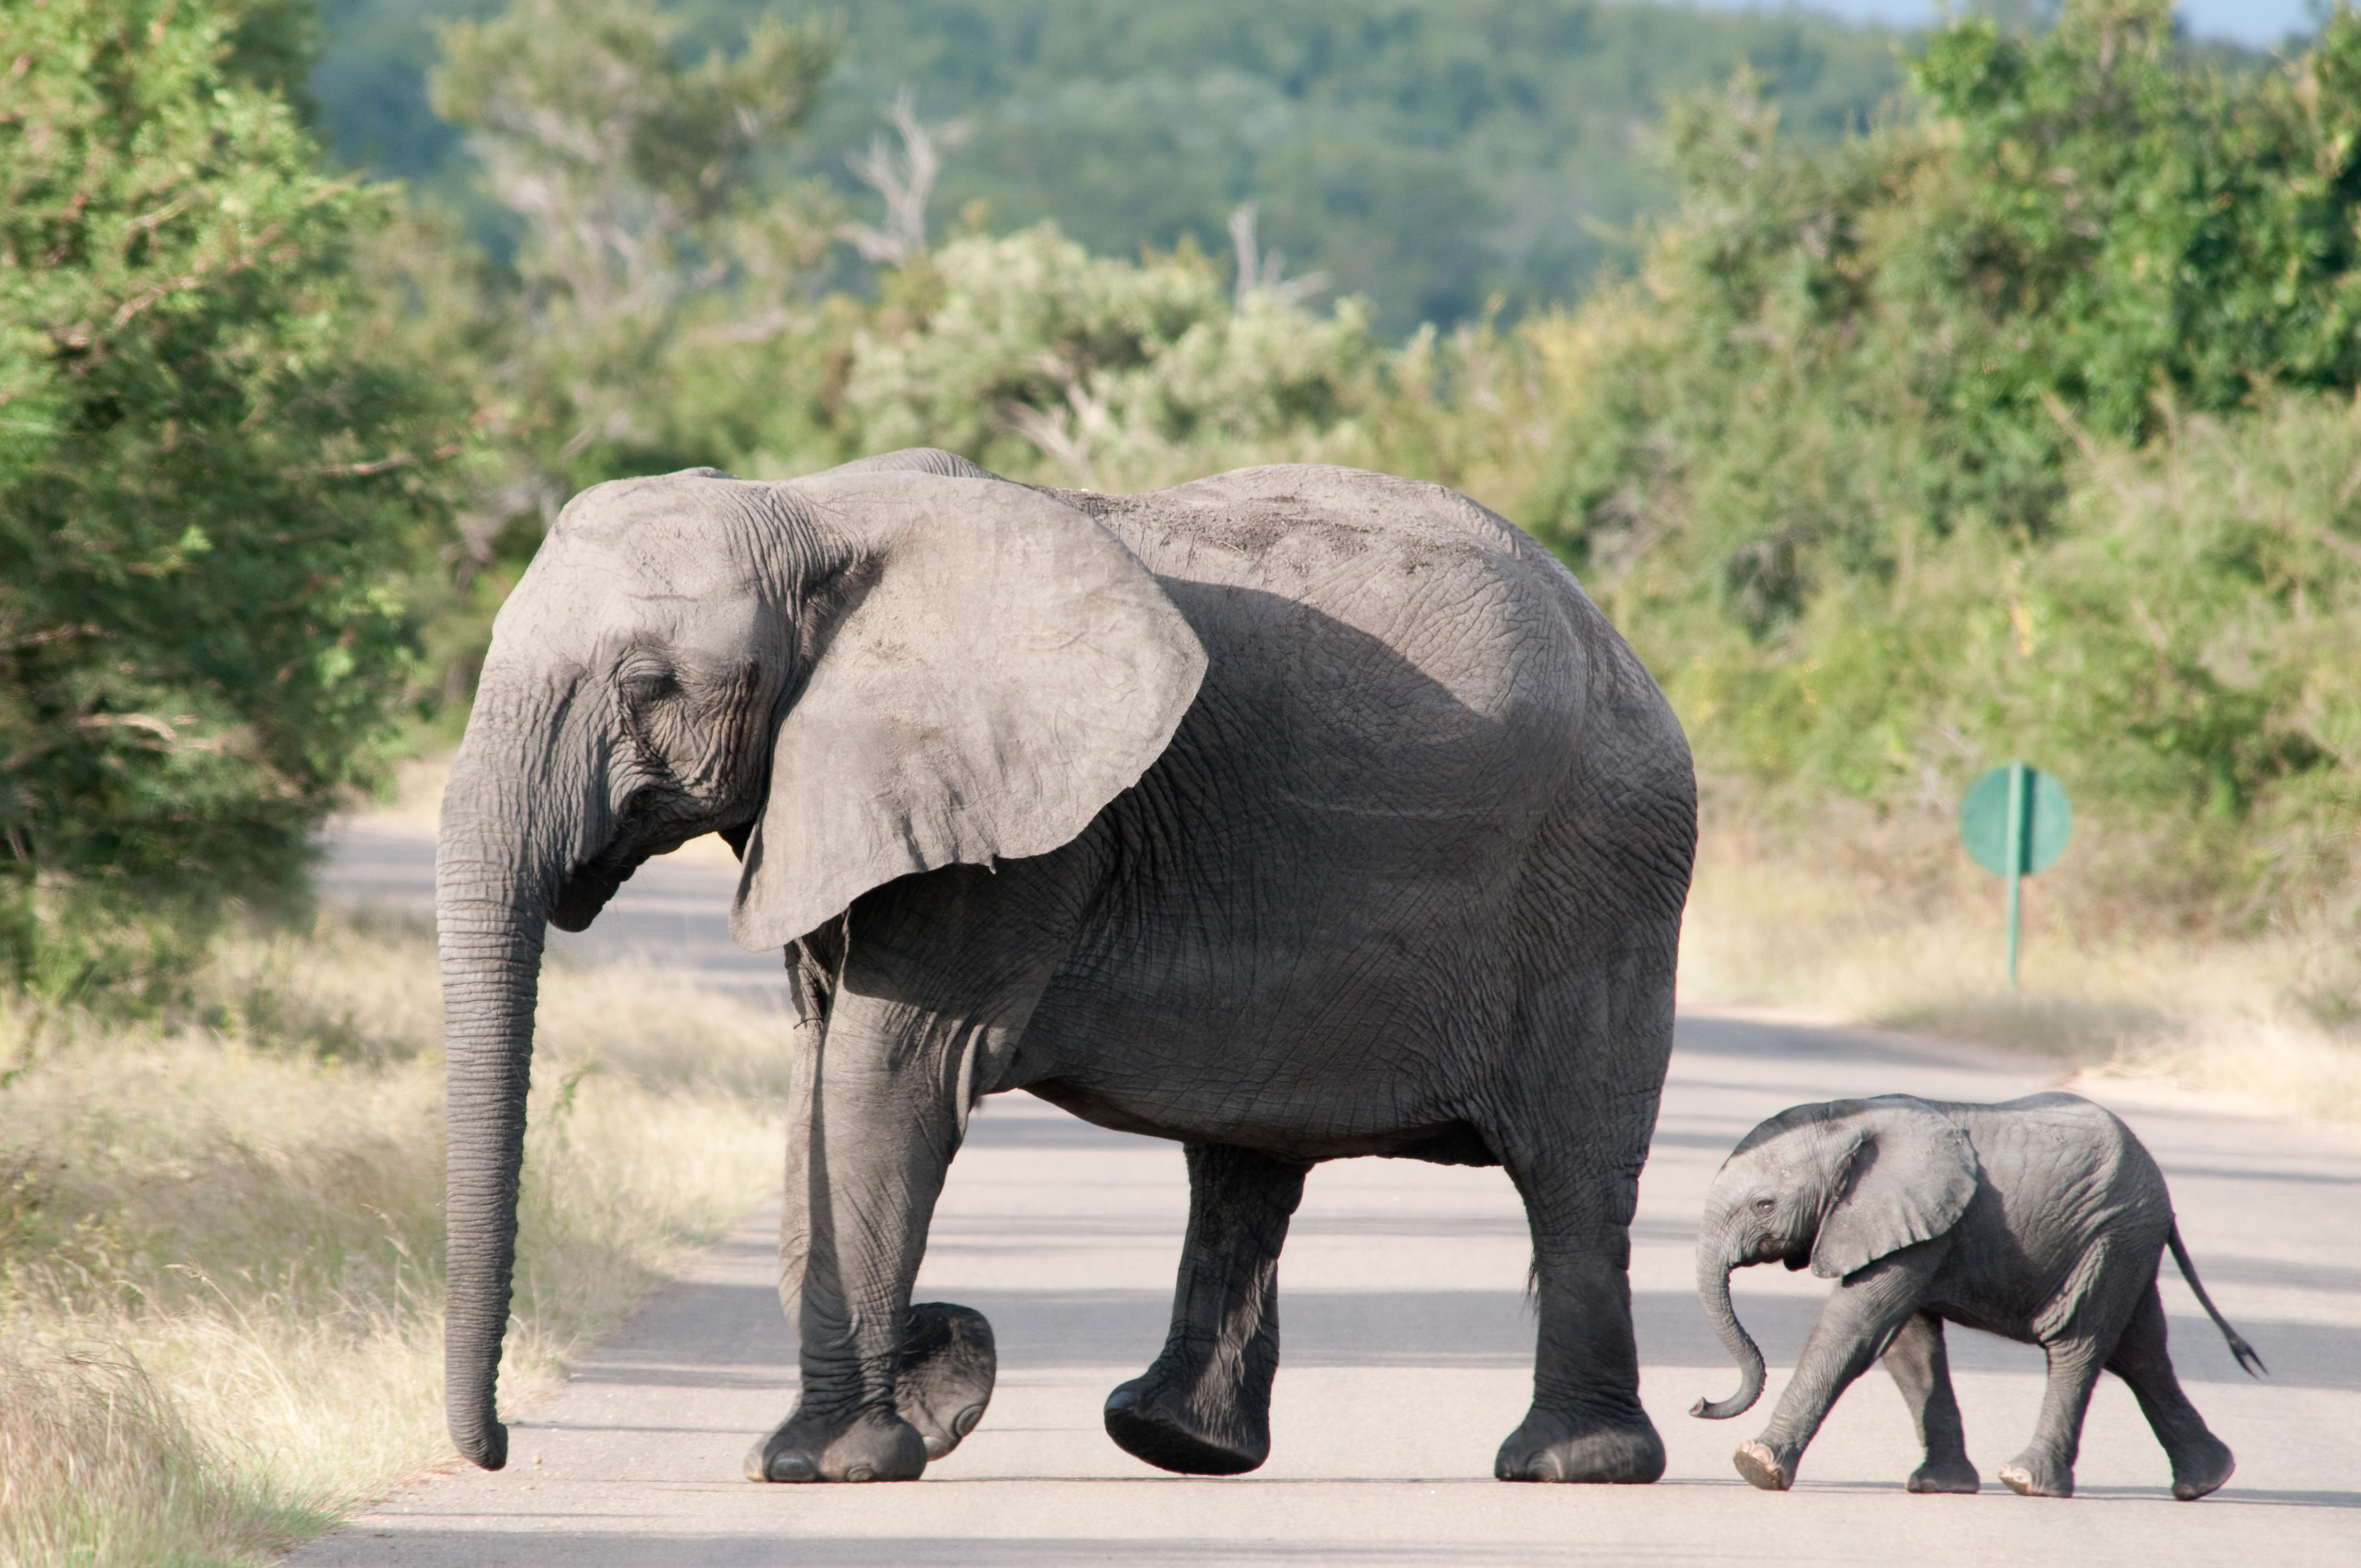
[(1407, 1353)]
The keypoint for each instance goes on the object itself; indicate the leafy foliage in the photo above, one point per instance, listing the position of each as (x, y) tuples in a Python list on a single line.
[(1887, 461), (629, 166), (651, 280), (1123, 376), (1425, 153), (209, 482)]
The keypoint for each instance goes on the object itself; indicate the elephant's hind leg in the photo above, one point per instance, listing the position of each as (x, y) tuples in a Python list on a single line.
[(2046, 1468), (944, 1377), (1585, 1422), (1585, 1021), (1922, 1370), (2200, 1462), (1203, 1408)]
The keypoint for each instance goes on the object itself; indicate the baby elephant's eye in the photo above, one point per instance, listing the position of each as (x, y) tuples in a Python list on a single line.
[(1765, 1205)]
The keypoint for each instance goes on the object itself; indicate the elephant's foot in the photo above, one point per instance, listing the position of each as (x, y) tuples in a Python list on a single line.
[(1150, 1418), (1954, 1473), (2033, 1474), (2201, 1468), (873, 1445), (1560, 1446), (1764, 1468), (945, 1378)]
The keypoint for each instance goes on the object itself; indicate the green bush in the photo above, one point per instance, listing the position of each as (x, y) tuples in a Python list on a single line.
[(1979, 436), (1040, 360), (2194, 638), (210, 482)]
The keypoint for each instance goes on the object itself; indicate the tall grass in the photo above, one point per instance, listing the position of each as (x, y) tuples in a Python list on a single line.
[(1881, 919), (221, 1255)]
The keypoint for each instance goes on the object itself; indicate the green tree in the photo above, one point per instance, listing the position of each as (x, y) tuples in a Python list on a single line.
[(1426, 154), (633, 169), (210, 482), (1830, 458), (650, 317), (1037, 358)]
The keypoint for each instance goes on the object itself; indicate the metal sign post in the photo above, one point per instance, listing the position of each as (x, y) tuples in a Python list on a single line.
[(2014, 821)]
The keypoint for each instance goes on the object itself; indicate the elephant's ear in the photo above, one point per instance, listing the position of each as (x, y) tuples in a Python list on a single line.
[(998, 667), (1912, 1175)]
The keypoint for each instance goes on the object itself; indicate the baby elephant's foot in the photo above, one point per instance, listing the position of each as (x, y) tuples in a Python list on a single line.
[(875, 1445), (1952, 1475), (2038, 1476), (1764, 1466), (1560, 1446), (1151, 1418), (946, 1375), (2202, 1469)]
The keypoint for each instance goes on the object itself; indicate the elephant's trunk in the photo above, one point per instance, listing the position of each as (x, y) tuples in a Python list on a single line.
[(1716, 1256), (499, 861)]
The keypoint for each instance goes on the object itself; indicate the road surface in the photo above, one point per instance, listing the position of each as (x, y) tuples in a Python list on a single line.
[(1407, 1354)]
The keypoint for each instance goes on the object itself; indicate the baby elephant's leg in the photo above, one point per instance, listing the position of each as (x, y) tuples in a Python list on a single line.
[(2046, 1468), (2200, 1462), (1868, 1307), (1923, 1372)]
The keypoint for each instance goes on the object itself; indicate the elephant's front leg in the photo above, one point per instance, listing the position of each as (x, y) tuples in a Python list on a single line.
[(878, 1103), (1922, 1370), (1870, 1307), (1203, 1408), (944, 1376)]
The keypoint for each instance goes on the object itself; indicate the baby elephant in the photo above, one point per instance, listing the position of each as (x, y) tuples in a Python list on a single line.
[(2041, 1220)]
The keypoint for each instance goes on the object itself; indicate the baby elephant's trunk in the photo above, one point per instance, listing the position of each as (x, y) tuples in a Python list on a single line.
[(1713, 1265)]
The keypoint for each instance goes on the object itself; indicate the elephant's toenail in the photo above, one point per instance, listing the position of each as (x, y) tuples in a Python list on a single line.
[(1122, 1399), (965, 1422), (792, 1467), (860, 1473)]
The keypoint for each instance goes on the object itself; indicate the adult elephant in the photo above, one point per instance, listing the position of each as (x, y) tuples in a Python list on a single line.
[(1294, 814)]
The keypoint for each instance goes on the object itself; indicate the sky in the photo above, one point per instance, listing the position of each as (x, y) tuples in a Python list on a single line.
[(2256, 23)]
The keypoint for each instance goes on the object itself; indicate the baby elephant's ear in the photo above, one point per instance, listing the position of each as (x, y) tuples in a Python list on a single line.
[(1912, 1175)]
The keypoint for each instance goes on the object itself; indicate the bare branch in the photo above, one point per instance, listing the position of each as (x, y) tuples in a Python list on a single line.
[(1069, 435), (904, 179), (1265, 272)]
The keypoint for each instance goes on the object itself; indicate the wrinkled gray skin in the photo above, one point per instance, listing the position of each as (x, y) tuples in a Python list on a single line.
[(1295, 814), (2041, 1220)]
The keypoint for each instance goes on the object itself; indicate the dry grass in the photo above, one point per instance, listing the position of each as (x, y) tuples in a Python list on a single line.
[(1892, 927), (221, 1244)]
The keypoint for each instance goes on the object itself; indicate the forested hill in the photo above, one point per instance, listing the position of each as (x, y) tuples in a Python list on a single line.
[(1426, 154)]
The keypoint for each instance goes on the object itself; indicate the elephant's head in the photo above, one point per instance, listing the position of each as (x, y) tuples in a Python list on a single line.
[(880, 670), (1835, 1187)]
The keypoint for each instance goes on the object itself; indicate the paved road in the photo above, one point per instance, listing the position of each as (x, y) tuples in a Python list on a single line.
[(1408, 1354), (674, 912)]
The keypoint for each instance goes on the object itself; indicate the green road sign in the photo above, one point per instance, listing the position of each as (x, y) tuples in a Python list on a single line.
[(2048, 820), (2014, 822)]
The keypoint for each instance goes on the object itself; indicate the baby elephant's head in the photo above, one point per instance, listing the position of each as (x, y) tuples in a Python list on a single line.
[(1835, 1186)]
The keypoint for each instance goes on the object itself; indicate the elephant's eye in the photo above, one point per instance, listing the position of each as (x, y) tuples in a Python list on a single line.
[(1765, 1205), (646, 685)]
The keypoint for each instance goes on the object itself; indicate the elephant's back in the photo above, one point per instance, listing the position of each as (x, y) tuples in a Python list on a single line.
[(1421, 592), (2076, 1191)]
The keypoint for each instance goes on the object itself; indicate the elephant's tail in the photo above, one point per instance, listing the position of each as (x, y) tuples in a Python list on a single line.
[(2238, 1346)]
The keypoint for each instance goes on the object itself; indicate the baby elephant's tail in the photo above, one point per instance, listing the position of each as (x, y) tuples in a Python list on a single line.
[(2238, 1347)]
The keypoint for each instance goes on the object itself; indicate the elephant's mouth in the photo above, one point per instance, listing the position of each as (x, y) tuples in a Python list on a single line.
[(589, 886), (587, 889)]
